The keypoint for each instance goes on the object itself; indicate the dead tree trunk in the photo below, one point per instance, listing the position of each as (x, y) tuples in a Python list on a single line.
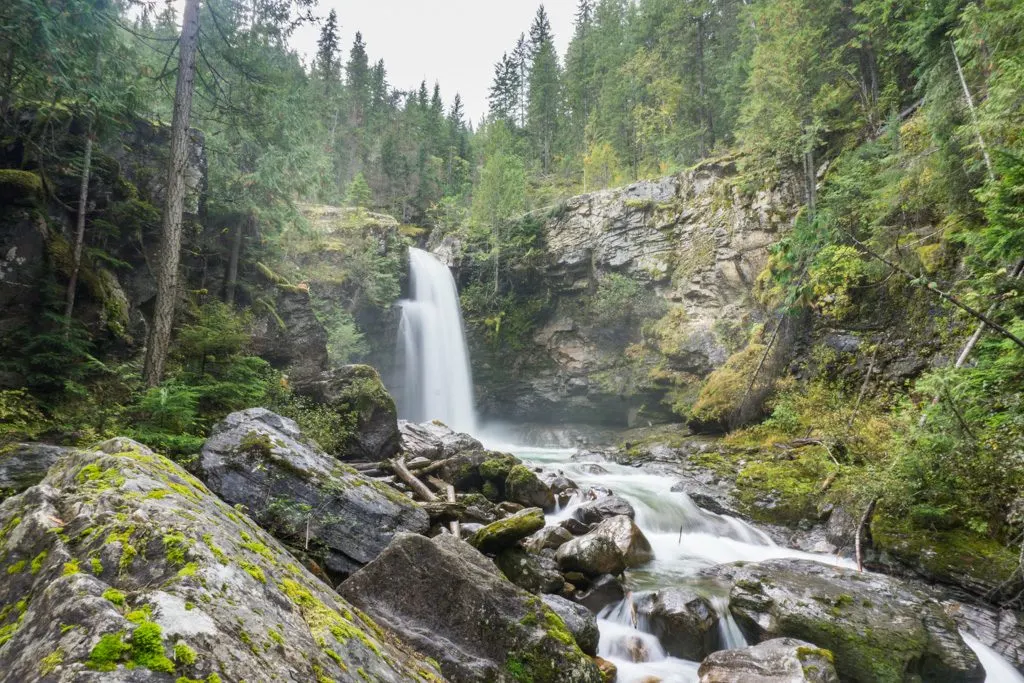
[(974, 114), (231, 281), (76, 254), (170, 241)]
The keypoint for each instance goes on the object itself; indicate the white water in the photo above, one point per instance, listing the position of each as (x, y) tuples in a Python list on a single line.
[(685, 540), (437, 384)]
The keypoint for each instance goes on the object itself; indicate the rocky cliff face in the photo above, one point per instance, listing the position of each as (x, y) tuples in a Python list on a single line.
[(682, 251)]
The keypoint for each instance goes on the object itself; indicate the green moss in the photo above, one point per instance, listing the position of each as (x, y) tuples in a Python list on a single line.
[(215, 549), (147, 648), (17, 567), (49, 663), (490, 491), (95, 565), (556, 628), (175, 547), (255, 571), (17, 185), (322, 619), (519, 476), (92, 476), (258, 548), (115, 596), (71, 568), (497, 468), (276, 636), (108, 652), (948, 556), (184, 655), (188, 570)]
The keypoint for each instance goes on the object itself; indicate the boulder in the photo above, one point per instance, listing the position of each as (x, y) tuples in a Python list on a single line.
[(548, 538), (591, 555), (291, 337), (534, 573), (120, 566), (356, 391), (523, 486), (603, 591), (435, 440), (580, 621), (781, 660), (879, 628), (575, 527), (25, 464), (451, 603), (685, 622), (507, 532), (609, 548), (601, 509), (261, 460)]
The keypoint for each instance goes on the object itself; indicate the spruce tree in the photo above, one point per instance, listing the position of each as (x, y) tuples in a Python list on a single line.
[(544, 106)]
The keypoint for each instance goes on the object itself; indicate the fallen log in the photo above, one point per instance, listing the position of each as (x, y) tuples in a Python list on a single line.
[(454, 525), (418, 487)]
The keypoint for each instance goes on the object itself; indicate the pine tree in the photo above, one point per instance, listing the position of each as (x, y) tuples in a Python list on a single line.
[(521, 64), (544, 105), (503, 98), (358, 194), (326, 65)]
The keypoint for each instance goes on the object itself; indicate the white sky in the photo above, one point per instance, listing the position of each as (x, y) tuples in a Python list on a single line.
[(455, 42)]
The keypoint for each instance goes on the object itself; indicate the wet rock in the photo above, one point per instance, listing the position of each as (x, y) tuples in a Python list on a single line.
[(878, 627), (841, 530), (580, 621), (782, 660), (451, 603), (593, 469), (506, 508), (118, 555), (261, 460), (628, 538), (507, 532), (525, 487), (357, 392), (1000, 629), (684, 622), (548, 538), (575, 526), (25, 464), (534, 573), (609, 672), (603, 591), (601, 509), (591, 555)]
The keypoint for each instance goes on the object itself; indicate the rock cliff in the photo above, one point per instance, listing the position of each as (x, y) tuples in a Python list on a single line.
[(683, 251)]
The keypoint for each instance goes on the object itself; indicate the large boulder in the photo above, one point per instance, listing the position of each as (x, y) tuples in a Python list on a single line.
[(450, 602), (782, 660), (120, 566), (507, 532), (534, 573), (25, 464), (435, 440), (685, 622), (596, 511), (879, 628), (357, 393), (523, 486), (609, 548), (548, 538), (305, 497), (580, 621)]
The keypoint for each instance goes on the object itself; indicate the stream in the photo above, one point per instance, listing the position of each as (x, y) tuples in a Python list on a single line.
[(685, 540)]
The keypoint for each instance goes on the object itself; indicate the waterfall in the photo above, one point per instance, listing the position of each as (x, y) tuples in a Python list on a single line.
[(437, 384)]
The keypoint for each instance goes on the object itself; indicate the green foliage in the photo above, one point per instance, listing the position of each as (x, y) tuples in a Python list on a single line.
[(832, 275), (20, 416), (358, 194), (620, 299)]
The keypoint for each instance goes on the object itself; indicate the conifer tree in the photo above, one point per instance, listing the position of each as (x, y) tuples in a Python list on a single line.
[(545, 90)]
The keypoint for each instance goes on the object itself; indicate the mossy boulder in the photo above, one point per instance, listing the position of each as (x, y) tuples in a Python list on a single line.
[(120, 566), (523, 486), (304, 496), (957, 557), (450, 602), (782, 660), (534, 573), (20, 187), (878, 628), (507, 532), (356, 392)]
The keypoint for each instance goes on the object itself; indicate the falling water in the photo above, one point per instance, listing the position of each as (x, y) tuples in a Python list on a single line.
[(437, 384)]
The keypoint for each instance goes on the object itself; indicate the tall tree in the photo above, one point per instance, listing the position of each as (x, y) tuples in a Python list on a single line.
[(545, 90), (169, 256)]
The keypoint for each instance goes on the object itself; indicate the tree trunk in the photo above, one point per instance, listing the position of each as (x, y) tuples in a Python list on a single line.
[(170, 240), (974, 114), (76, 255), (231, 281)]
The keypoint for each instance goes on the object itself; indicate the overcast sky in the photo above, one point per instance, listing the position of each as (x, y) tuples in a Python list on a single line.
[(454, 42)]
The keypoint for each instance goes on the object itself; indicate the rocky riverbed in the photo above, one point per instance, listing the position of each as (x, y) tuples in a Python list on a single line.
[(267, 558)]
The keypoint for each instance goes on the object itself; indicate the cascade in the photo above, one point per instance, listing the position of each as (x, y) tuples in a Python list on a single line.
[(436, 379)]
